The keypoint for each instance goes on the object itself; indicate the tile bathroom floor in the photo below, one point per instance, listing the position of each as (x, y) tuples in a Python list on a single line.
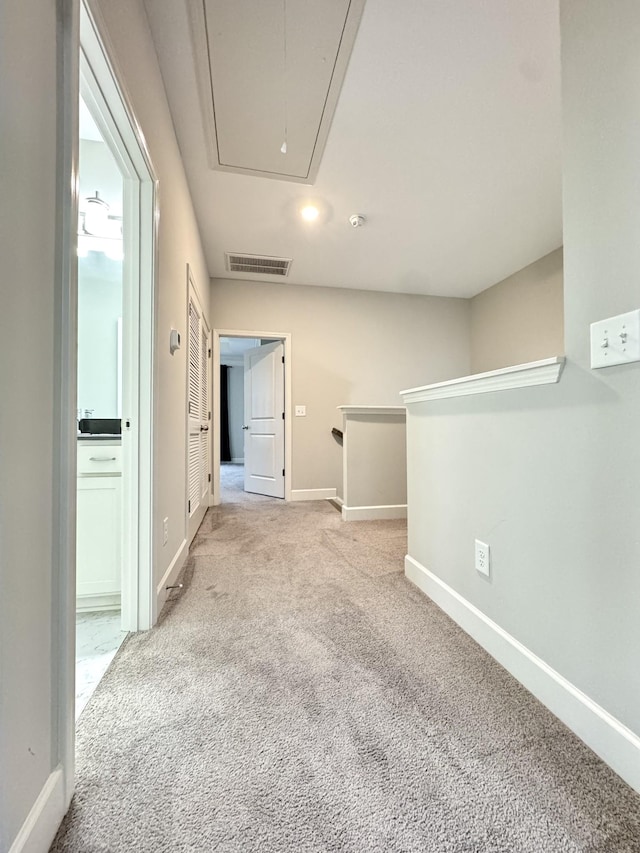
[(98, 638)]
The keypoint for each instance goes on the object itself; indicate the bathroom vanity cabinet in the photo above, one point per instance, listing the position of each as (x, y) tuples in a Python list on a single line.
[(99, 524)]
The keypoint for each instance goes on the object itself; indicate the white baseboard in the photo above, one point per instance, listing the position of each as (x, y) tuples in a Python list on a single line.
[(312, 494), (39, 829), (110, 601), (237, 461), (616, 744), (338, 501), (171, 575), (373, 513)]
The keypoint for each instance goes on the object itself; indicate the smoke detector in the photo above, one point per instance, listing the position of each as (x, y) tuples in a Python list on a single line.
[(357, 220)]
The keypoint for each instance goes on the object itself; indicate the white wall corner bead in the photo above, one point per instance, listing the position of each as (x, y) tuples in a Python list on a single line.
[(547, 371)]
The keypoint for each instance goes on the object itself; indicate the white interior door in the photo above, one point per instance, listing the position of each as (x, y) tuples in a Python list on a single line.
[(264, 420), (198, 416)]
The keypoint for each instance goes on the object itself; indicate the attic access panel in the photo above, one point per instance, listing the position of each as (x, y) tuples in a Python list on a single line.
[(269, 72)]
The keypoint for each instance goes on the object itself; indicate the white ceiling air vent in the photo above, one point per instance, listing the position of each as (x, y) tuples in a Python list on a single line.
[(257, 264)]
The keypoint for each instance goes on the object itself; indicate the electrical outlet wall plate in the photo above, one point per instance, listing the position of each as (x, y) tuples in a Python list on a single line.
[(483, 558)]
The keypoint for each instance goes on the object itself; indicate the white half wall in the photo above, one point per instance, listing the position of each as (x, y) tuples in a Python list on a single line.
[(608, 737), (374, 463), (548, 475)]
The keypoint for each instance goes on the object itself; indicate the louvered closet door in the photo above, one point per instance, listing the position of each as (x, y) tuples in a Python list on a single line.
[(205, 412), (198, 462)]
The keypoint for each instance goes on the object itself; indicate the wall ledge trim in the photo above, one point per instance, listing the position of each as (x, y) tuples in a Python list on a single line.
[(40, 827), (313, 494), (373, 513), (610, 739), (544, 372), (398, 411)]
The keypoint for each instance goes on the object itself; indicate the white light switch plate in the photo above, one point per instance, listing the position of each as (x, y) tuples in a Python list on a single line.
[(616, 340), (301, 411)]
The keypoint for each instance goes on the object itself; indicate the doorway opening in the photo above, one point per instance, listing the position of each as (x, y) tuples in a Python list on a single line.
[(115, 297), (100, 474), (252, 424)]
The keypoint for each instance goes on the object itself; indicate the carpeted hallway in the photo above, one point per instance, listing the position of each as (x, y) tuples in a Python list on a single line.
[(300, 695)]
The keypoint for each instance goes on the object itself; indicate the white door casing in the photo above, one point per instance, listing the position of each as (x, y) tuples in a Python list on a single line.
[(264, 415), (80, 24), (260, 334), (112, 114)]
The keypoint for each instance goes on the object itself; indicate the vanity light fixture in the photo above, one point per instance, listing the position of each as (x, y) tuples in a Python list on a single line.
[(96, 215)]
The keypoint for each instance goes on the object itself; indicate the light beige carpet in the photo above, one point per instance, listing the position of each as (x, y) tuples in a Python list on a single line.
[(300, 695)]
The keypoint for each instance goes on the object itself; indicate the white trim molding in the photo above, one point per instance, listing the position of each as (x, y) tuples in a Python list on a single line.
[(373, 513), (106, 601), (39, 829), (313, 494), (616, 744), (399, 411), (544, 372)]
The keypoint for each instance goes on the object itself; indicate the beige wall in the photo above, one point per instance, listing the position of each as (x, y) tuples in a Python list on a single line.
[(29, 706), (519, 319), (348, 346), (27, 413), (548, 476), (129, 41)]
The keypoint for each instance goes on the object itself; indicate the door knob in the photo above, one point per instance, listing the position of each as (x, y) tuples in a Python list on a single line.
[(204, 429), (245, 427)]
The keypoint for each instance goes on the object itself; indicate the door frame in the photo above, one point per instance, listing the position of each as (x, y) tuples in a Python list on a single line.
[(103, 96), (285, 337), (193, 294), (82, 30)]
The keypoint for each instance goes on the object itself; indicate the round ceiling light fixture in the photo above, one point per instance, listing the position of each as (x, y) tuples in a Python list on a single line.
[(357, 220), (309, 213)]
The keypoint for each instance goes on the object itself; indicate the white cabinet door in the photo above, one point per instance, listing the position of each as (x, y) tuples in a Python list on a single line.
[(98, 544)]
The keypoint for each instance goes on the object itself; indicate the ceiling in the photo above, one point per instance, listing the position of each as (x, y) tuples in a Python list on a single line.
[(446, 138)]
